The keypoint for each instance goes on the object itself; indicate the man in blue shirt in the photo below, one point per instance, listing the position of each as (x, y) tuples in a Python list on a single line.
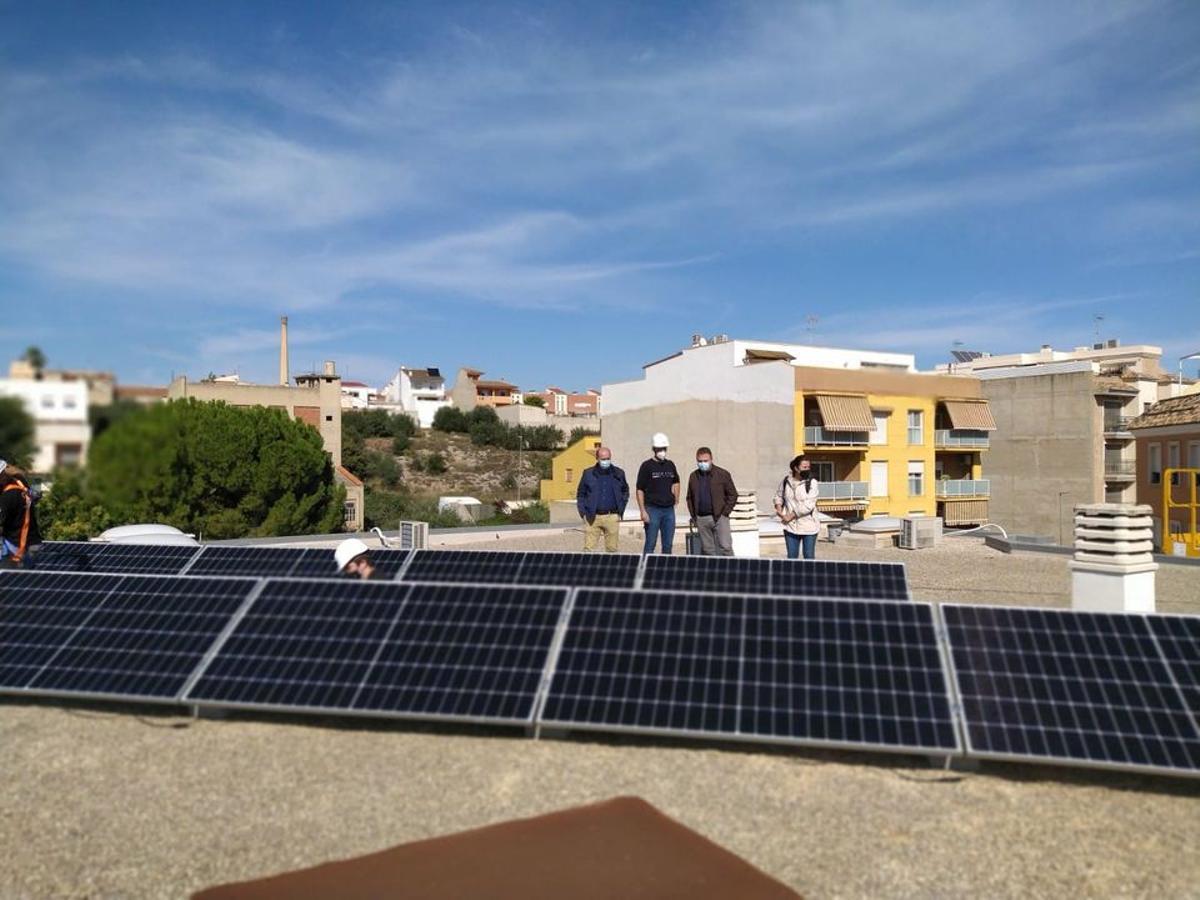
[(601, 499)]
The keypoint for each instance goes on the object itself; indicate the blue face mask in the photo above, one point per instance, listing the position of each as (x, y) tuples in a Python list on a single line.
[(704, 466), (605, 463)]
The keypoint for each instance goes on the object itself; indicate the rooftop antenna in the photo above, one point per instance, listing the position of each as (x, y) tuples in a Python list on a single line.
[(1098, 319), (810, 322)]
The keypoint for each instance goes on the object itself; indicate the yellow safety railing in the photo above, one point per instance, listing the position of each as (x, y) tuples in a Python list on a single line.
[(1186, 543)]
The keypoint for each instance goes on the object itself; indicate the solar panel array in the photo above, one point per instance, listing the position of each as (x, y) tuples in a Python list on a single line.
[(777, 577), (737, 649)]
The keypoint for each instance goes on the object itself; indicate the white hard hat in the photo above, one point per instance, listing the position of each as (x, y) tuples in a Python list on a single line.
[(659, 440), (349, 550)]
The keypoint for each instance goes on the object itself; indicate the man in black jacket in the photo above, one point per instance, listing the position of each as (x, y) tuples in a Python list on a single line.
[(601, 499), (711, 497)]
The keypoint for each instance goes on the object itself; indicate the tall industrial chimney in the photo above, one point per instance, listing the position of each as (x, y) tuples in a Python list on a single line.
[(283, 351)]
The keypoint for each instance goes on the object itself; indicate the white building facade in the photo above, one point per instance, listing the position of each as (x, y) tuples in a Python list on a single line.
[(60, 414), (419, 393)]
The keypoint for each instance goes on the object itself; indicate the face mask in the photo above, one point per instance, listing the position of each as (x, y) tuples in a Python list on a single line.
[(660, 454), (605, 463), (703, 466), (806, 474)]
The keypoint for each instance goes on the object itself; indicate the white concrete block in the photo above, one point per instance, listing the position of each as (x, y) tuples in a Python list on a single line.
[(1114, 534), (1115, 521), (1119, 559), (1100, 588)]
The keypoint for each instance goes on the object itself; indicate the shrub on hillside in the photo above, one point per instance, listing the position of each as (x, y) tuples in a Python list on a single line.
[(451, 419)]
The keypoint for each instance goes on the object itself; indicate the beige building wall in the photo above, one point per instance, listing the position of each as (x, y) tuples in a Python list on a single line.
[(752, 439), (1047, 452)]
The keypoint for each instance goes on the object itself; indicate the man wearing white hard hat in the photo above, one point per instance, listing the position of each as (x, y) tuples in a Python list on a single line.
[(657, 495), (353, 558)]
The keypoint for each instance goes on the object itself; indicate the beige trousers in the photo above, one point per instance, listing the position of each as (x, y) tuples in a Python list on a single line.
[(608, 525)]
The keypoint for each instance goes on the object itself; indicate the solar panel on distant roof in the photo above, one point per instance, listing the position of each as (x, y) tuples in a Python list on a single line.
[(1068, 687), (825, 672), (87, 556), (715, 574), (1179, 639), (465, 653), (130, 637), (479, 566), (838, 578)]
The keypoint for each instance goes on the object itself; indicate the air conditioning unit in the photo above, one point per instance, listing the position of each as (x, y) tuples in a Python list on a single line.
[(919, 532), (414, 535)]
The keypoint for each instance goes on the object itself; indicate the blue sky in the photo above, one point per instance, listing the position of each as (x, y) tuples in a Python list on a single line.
[(558, 193)]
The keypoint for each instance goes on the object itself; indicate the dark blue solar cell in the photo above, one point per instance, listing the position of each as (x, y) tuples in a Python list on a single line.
[(1179, 638), (712, 574)]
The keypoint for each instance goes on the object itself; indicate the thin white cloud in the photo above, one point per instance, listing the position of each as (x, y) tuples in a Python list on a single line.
[(567, 174)]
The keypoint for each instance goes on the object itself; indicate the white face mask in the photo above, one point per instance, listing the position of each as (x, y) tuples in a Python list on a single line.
[(660, 454)]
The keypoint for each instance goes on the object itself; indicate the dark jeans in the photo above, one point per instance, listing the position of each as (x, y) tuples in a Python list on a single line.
[(795, 541), (662, 520)]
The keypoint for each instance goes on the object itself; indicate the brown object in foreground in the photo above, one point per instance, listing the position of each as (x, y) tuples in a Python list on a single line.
[(619, 848)]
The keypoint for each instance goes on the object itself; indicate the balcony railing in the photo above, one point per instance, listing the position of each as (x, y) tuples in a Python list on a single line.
[(962, 438), (1117, 424), (1120, 468), (953, 488), (817, 436), (843, 490)]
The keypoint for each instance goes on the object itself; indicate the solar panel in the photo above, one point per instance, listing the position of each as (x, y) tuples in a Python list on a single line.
[(479, 566), (845, 673), (648, 662), (717, 574), (379, 648), (1078, 688), (777, 577), (618, 570), (131, 637), (465, 653), (302, 644), (85, 556), (1179, 640), (260, 562), (823, 672), (838, 578)]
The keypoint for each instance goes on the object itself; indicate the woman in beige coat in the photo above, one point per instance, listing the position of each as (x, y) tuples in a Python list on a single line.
[(796, 506)]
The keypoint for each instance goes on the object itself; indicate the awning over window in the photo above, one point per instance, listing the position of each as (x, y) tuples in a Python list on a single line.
[(753, 355), (970, 414), (845, 413)]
